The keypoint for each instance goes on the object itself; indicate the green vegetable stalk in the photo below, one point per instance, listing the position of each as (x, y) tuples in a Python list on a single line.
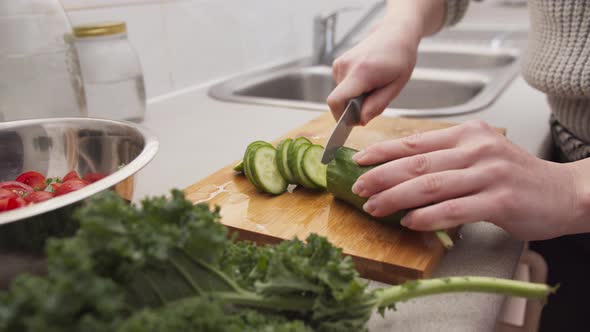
[(169, 265), (414, 289)]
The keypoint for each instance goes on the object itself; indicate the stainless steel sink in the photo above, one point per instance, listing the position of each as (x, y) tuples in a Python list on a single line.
[(465, 60), (448, 79), (426, 89)]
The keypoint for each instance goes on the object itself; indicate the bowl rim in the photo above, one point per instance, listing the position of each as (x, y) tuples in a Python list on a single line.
[(145, 156)]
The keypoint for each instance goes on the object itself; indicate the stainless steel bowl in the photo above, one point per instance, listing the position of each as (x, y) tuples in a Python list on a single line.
[(54, 147)]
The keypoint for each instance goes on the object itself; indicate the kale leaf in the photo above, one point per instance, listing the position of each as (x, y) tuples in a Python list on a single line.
[(168, 265)]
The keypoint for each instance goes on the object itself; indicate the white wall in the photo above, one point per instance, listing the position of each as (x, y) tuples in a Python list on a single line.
[(182, 43)]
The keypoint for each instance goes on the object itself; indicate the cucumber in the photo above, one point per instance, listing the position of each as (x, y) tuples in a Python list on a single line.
[(297, 167), (239, 166), (313, 167), (282, 160), (300, 140), (341, 175), (247, 171), (262, 165), (292, 154)]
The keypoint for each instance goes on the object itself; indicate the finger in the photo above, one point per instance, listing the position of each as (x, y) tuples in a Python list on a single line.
[(400, 170), (350, 87), (336, 73), (375, 27), (424, 190), (379, 99), (408, 146), (339, 70), (450, 213)]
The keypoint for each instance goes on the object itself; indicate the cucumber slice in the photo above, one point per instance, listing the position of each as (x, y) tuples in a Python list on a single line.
[(263, 166), (282, 160), (297, 142), (246, 167), (298, 164), (239, 166), (313, 167), (292, 156)]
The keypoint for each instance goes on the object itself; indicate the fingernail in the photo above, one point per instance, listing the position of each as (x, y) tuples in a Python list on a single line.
[(358, 156), (370, 206), (359, 187), (406, 222)]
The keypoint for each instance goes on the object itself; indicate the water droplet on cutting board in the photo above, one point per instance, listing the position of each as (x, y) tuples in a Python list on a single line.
[(207, 193), (236, 198)]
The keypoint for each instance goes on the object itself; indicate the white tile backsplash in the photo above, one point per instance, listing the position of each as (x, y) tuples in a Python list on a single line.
[(146, 33), (71, 5), (204, 40), (266, 37), (182, 43)]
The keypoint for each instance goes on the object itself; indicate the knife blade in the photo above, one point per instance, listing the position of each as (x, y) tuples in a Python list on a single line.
[(350, 118)]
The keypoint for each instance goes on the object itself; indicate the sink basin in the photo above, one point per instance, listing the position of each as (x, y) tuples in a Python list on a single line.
[(463, 60), (447, 80), (314, 84)]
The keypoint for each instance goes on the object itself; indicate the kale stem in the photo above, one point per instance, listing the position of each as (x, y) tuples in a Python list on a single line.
[(413, 289), (185, 275), (283, 303), (445, 239), (213, 270), (153, 287)]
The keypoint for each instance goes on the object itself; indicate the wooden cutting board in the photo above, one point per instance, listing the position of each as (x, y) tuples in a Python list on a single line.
[(381, 252)]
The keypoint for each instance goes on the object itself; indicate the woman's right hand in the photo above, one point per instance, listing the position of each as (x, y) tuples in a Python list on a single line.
[(380, 65)]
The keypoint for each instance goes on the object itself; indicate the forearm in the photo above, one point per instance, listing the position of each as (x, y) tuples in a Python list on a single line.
[(581, 174), (424, 17)]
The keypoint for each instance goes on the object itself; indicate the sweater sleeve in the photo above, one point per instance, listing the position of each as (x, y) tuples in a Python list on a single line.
[(454, 11)]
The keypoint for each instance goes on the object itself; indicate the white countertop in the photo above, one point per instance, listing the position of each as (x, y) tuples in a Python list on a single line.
[(199, 135)]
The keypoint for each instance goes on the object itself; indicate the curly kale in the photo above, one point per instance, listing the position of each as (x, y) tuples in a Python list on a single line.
[(70, 298), (201, 314), (169, 265)]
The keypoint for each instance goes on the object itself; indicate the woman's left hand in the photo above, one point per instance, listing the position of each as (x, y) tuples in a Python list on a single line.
[(470, 173)]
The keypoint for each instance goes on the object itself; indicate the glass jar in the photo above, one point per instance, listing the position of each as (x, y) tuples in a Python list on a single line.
[(39, 69), (111, 72)]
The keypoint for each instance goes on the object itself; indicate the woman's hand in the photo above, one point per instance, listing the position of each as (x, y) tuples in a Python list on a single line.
[(381, 64), (470, 173)]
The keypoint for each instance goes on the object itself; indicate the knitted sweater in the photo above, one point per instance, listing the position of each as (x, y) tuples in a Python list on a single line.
[(558, 57)]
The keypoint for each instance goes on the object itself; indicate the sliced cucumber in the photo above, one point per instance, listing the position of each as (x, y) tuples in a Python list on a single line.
[(246, 167), (292, 156), (302, 179), (297, 142), (282, 160), (239, 166), (263, 166), (312, 165)]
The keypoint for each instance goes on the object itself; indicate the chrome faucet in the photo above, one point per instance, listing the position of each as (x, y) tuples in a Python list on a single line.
[(325, 47)]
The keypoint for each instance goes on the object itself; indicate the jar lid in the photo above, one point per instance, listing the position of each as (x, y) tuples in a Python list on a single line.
[(100, 29)]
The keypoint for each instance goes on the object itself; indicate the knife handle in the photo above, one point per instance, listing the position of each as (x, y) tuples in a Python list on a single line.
[(358, 101)]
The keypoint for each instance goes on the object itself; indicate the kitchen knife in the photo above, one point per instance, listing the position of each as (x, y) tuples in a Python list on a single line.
[(350, 117)]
